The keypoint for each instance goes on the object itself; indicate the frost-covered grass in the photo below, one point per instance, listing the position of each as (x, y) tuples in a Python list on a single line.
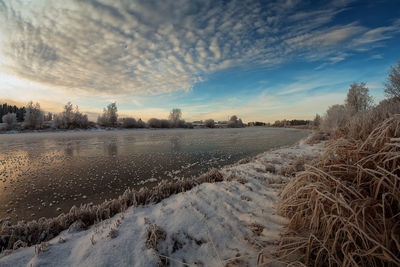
[(343, 210), (220, 220)]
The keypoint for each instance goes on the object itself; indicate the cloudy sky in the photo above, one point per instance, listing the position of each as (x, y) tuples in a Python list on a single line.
[(261, 60)]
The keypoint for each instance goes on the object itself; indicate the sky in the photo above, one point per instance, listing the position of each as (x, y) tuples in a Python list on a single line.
[(259, 60)]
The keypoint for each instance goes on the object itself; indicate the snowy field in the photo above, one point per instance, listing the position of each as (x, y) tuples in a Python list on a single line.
[(218, 224), (45, 174)]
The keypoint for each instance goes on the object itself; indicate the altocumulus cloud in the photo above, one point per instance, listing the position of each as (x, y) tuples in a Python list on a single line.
[(152, 47)]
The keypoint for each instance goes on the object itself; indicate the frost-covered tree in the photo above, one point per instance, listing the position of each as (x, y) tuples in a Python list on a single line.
[(110, 116), (210, 123), (392, 86), (49, 116), (175, 117), (68, 113), (71, 118), (154, 123), (129, 123), (335, 118), (234, 122), (317, 120), (166, 124), (33, 116), (358, 98), (10, 119), (79, 120), (141, 124)]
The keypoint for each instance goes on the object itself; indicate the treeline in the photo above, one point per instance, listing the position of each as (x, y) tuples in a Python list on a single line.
[(174, 121), (287, 123), (109, 118), (357, 116), (258, 123), (233, 122), (33, 117), (19, 112)]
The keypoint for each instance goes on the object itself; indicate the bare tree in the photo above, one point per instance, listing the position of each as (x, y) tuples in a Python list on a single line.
[(175, 117), (392, 85), (358, 98), (33, 116)]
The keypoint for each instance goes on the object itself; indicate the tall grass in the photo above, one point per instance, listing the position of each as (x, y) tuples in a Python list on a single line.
[(344, 210)]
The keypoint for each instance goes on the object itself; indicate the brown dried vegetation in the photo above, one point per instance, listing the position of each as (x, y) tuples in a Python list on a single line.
[(344, 209)]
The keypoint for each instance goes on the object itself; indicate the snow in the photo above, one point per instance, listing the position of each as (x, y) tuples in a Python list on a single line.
[(210, 225)]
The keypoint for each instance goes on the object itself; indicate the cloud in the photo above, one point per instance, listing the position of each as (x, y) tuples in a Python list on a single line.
[(152, 47), (269, 108)]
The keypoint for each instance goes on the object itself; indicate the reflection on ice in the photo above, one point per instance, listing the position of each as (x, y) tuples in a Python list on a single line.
[(43, 174)]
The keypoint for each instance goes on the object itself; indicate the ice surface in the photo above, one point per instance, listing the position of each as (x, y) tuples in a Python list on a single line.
[(211, 225)]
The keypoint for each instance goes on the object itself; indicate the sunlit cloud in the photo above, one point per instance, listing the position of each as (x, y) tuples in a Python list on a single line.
[(152, 47), (149, 56)]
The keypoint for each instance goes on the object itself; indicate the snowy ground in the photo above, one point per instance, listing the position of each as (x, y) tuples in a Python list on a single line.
[(211, 225)]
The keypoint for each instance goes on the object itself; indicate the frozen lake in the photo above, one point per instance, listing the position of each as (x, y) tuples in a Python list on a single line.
[(44, 174)]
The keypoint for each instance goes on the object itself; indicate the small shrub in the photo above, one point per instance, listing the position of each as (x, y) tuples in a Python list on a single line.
[(154, 123), (317, 137), (165, 124), (141, 124), (10, 119), (209, 123), (256, 228), (113, 233), (129, 123), (335, 119), (234, 122), (154, 236)]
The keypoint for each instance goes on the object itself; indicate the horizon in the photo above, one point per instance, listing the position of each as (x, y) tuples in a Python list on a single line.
[(212, 59)]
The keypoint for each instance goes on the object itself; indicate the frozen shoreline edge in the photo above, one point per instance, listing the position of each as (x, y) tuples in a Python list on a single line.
[(231, 174)]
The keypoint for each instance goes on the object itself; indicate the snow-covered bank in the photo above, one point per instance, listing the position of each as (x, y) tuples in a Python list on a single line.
[(211, 224)]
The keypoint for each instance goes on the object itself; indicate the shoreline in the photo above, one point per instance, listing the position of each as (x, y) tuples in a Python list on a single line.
[(11, 132), (251, 180)]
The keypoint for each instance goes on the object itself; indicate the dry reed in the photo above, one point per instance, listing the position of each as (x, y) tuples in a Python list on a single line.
[(344, 210)]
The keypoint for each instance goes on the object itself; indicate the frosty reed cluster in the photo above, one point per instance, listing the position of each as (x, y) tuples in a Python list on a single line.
[(34, 232), (345, 209)]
